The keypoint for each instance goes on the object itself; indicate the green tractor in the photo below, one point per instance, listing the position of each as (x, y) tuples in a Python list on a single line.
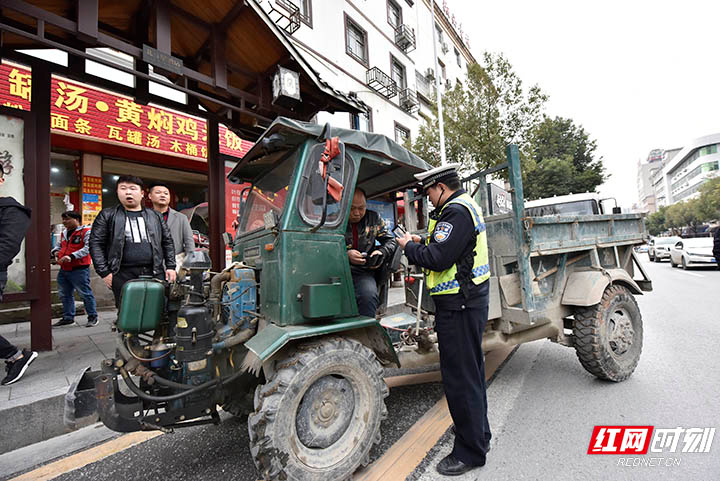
[(277, 333)]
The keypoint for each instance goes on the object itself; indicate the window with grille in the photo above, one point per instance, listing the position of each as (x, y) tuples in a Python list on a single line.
[(394, 13), (356, 41), (397, 73), (402, 133)]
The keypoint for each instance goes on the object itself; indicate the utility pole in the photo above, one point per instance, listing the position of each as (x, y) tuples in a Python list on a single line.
[(443, 160)]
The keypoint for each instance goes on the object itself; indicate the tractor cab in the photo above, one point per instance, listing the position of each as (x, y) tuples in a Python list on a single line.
[(301, 178)]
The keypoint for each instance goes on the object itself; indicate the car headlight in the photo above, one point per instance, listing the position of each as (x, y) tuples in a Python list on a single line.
[(693, 253)]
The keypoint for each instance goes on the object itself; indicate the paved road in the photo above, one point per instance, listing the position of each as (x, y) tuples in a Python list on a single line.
[(543, 406), (221, 452)]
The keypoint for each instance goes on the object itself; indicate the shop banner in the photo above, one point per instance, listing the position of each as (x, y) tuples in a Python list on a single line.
[(79, 110), (91, 198)]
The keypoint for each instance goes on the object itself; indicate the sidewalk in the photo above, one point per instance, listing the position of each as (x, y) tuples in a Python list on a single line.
[(34, 405)]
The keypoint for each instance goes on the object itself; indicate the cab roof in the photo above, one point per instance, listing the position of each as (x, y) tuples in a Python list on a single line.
[(387, 168)]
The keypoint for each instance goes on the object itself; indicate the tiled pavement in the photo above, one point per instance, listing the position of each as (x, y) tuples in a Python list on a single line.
[(75, 347)]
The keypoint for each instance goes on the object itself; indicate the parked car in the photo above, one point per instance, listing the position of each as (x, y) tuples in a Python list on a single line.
[(659, 247), (199, 223), (641, 248), (692, 252)]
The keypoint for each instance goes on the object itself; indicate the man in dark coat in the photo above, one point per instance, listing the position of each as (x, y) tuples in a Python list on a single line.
[(365, 227), (129, 241), (716, 246), (14, 221)]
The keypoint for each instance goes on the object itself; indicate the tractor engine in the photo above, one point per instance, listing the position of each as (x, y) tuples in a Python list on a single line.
[(179, 358)]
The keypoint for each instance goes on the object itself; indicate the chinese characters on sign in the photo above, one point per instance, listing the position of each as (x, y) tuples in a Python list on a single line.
[(82, 111), (91, 198)]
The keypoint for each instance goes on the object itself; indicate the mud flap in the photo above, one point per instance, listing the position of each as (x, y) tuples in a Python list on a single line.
[(80, 400)]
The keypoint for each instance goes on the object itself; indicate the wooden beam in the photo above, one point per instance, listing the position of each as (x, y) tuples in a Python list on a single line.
[(219, 65), (40, 309), (162, 26), (87, 20), (216, 194)]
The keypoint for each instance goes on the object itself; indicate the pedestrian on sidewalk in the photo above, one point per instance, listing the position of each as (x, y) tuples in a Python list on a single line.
[(14, 222), (129, 241), (73, 256), (178, 224)]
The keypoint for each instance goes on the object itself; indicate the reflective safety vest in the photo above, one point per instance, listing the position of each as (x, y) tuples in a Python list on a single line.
[(444, 282)]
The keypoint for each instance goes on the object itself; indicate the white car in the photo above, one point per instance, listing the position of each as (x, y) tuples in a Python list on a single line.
[(693, 252), (659, 247)]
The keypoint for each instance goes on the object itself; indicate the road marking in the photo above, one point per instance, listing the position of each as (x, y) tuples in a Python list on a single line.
[(410, 379), (407, 453), (76, 461), (692, 274)]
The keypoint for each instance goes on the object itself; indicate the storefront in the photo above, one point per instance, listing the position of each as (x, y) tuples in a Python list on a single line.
[(97, 136), (76, 130)]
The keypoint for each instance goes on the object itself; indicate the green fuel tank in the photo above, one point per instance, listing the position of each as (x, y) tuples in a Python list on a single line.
[(143, 302)]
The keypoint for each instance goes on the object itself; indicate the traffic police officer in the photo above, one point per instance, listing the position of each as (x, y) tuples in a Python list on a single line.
[(455, 262)]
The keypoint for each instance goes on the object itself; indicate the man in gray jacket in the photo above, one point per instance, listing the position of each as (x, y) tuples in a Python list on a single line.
[(180, 231)]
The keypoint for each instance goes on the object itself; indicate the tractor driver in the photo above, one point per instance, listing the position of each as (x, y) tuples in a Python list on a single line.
[(365, 230)]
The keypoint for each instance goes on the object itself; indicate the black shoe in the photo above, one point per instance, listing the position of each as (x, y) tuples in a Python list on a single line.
[(63, 322), (452, 466), (92, 321), (16, 369)]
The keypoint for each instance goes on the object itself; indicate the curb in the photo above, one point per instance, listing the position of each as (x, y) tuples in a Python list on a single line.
[(32, 423)]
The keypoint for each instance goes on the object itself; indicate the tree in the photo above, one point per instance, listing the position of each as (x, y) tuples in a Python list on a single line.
[(484, 114), (655, 223), (709, 200), (559, 140)]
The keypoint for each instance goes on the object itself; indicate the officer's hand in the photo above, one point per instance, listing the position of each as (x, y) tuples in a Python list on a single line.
[(402, 241), (108, 281), (170, 275), (356, 257), (64, 259), (416, 238)]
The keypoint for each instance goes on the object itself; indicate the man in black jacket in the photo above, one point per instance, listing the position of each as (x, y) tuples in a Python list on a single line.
[(14, 221), (716, 246), (129, 241), (364, 228)]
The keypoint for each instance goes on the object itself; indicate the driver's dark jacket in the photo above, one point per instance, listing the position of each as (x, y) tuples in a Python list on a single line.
[(370, 228), (107, 239)]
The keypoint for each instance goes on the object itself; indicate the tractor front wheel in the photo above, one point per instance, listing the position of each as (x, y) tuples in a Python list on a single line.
[(320, 413)]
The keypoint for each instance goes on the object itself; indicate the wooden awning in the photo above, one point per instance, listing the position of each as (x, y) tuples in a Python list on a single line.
[(222, 53)]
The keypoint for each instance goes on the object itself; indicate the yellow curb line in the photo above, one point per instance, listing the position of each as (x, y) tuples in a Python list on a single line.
[(407, 453), (62, 466)]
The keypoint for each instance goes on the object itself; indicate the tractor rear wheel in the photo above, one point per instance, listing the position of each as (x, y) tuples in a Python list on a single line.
[(608, 336), (319, 414)]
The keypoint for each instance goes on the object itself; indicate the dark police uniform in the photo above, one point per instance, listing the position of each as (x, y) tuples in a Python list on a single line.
[(460, 320)]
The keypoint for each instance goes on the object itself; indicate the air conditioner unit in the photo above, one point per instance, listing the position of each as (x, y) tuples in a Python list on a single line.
[(444, 47), (430, 74)]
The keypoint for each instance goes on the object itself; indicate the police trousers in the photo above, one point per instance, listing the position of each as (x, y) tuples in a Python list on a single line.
[(463, 374)]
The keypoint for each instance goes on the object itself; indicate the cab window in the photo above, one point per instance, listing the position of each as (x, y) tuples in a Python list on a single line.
[(313, 189)]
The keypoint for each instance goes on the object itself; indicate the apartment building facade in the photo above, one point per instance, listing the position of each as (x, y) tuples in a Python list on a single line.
[(380, 52)]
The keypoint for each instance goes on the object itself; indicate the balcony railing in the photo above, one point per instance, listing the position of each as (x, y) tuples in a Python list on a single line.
[(381, 82), (408, 101), (425, 86), (405, 38), (285, 14)]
